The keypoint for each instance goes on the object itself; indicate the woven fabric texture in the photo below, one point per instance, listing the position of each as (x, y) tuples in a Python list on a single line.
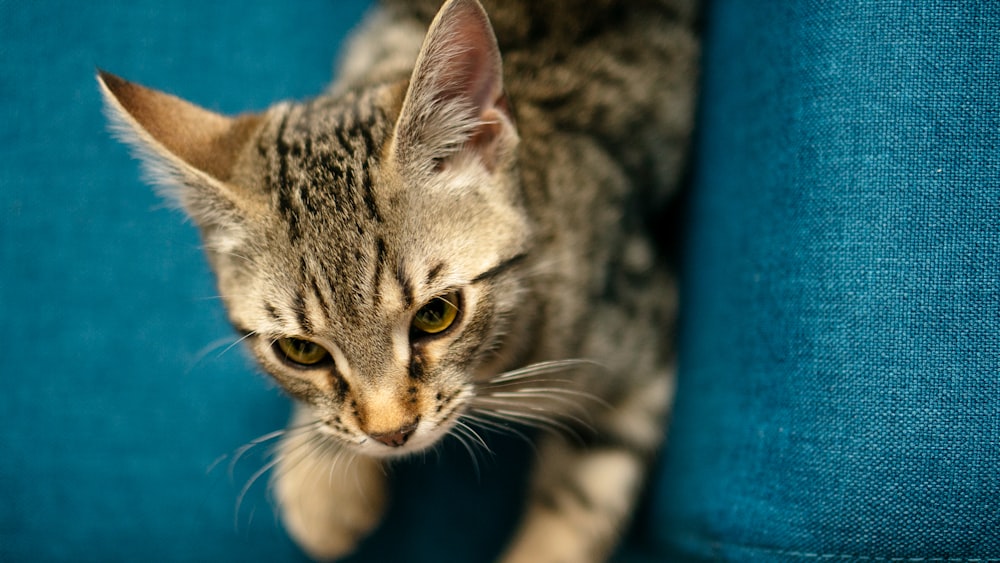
[(840, 353)]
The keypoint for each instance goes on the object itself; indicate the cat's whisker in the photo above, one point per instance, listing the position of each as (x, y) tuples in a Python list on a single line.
[(460, 434), (286, 459), (558, 394), (245, 448), (351, 461), (237, 342), (490, 424), (215, 463), (519, 384), (338, 455), (473, 434), (543, 368), (526, 399), (264, 438), (531, 419), (217, 250), (294, 456), (540, 415), (246, 487), (200, 355), (502, 426)]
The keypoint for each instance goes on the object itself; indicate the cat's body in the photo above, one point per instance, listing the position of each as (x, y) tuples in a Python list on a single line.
[(396, 249)]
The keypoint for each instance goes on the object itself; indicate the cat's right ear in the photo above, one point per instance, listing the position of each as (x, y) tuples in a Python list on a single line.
[(189, 151), (455, 102)]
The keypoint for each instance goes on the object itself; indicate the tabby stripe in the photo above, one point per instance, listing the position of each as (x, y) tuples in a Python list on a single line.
[(406, 285), (282, 148), (345, 140), (379, 264), (417, 365), (368, 196), (434, 273), (366, 126), (321, 297), (284, 184), (501, 267), (307, 202), (272, 312), (301, 315), (351, 181)]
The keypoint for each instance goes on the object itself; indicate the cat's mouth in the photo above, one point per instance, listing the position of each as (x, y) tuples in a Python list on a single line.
[(424, 431)]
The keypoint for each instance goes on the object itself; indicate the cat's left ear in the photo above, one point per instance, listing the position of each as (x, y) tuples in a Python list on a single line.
[(455, 103), (190, 151)]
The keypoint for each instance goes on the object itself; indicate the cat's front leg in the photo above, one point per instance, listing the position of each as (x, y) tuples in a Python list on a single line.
[(329, 498), (584, 491)]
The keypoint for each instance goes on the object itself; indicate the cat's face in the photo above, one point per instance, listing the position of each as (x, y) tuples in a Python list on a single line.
[(367, 245), (376, 295)]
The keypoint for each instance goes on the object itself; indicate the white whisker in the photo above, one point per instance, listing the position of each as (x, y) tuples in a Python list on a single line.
[(551, 393), (200, 355), (475, 435), (236, 343), (459, 434), (246, 487), (245, 448), (502, 426), (533, 420), (543, 367)]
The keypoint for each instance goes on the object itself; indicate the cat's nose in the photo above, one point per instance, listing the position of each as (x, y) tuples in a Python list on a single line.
[(397, 437)]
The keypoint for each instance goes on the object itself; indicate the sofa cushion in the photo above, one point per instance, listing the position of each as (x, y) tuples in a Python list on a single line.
[(839, 394)]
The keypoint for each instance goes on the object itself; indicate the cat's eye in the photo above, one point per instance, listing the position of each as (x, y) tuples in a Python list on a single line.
[(301, 352), (436, 315)]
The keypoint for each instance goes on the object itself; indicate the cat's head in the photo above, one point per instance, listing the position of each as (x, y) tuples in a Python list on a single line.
[(367, 244)]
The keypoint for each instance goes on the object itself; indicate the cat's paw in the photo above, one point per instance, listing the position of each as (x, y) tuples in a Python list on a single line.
[(329, 503)]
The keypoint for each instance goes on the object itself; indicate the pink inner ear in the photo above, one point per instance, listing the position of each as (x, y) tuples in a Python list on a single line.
[(459, 68), (468, 62), (478, 70)]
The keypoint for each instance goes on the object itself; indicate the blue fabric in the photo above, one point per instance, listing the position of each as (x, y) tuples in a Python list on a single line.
[(840, 354)]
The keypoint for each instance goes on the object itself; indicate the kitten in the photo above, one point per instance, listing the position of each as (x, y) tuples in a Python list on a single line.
[(448, 240)]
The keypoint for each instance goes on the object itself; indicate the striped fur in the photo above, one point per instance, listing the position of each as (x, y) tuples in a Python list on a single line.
[(519, 190)]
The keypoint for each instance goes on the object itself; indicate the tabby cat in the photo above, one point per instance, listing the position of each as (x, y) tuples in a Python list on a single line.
[(447, 240)]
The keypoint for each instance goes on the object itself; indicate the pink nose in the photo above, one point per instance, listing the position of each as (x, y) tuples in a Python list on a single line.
[(397, 437)]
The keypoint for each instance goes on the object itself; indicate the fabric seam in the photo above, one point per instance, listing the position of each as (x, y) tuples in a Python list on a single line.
[(854, 557)]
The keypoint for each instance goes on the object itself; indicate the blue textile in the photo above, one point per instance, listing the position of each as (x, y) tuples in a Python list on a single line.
[(840, 357)]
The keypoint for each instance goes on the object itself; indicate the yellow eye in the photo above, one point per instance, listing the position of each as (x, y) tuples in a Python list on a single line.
[(302, 352), (437, 315)]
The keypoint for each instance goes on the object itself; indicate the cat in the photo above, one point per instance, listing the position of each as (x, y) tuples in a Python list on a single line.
[(454, 236)]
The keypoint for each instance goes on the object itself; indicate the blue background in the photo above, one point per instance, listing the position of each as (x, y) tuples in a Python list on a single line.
[(839, 391)]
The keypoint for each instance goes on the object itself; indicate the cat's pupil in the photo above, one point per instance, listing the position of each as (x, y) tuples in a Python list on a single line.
[(436, 316), (433, 312)]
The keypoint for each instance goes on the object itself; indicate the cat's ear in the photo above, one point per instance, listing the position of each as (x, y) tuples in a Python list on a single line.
[(190, 151), (455, 101)]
